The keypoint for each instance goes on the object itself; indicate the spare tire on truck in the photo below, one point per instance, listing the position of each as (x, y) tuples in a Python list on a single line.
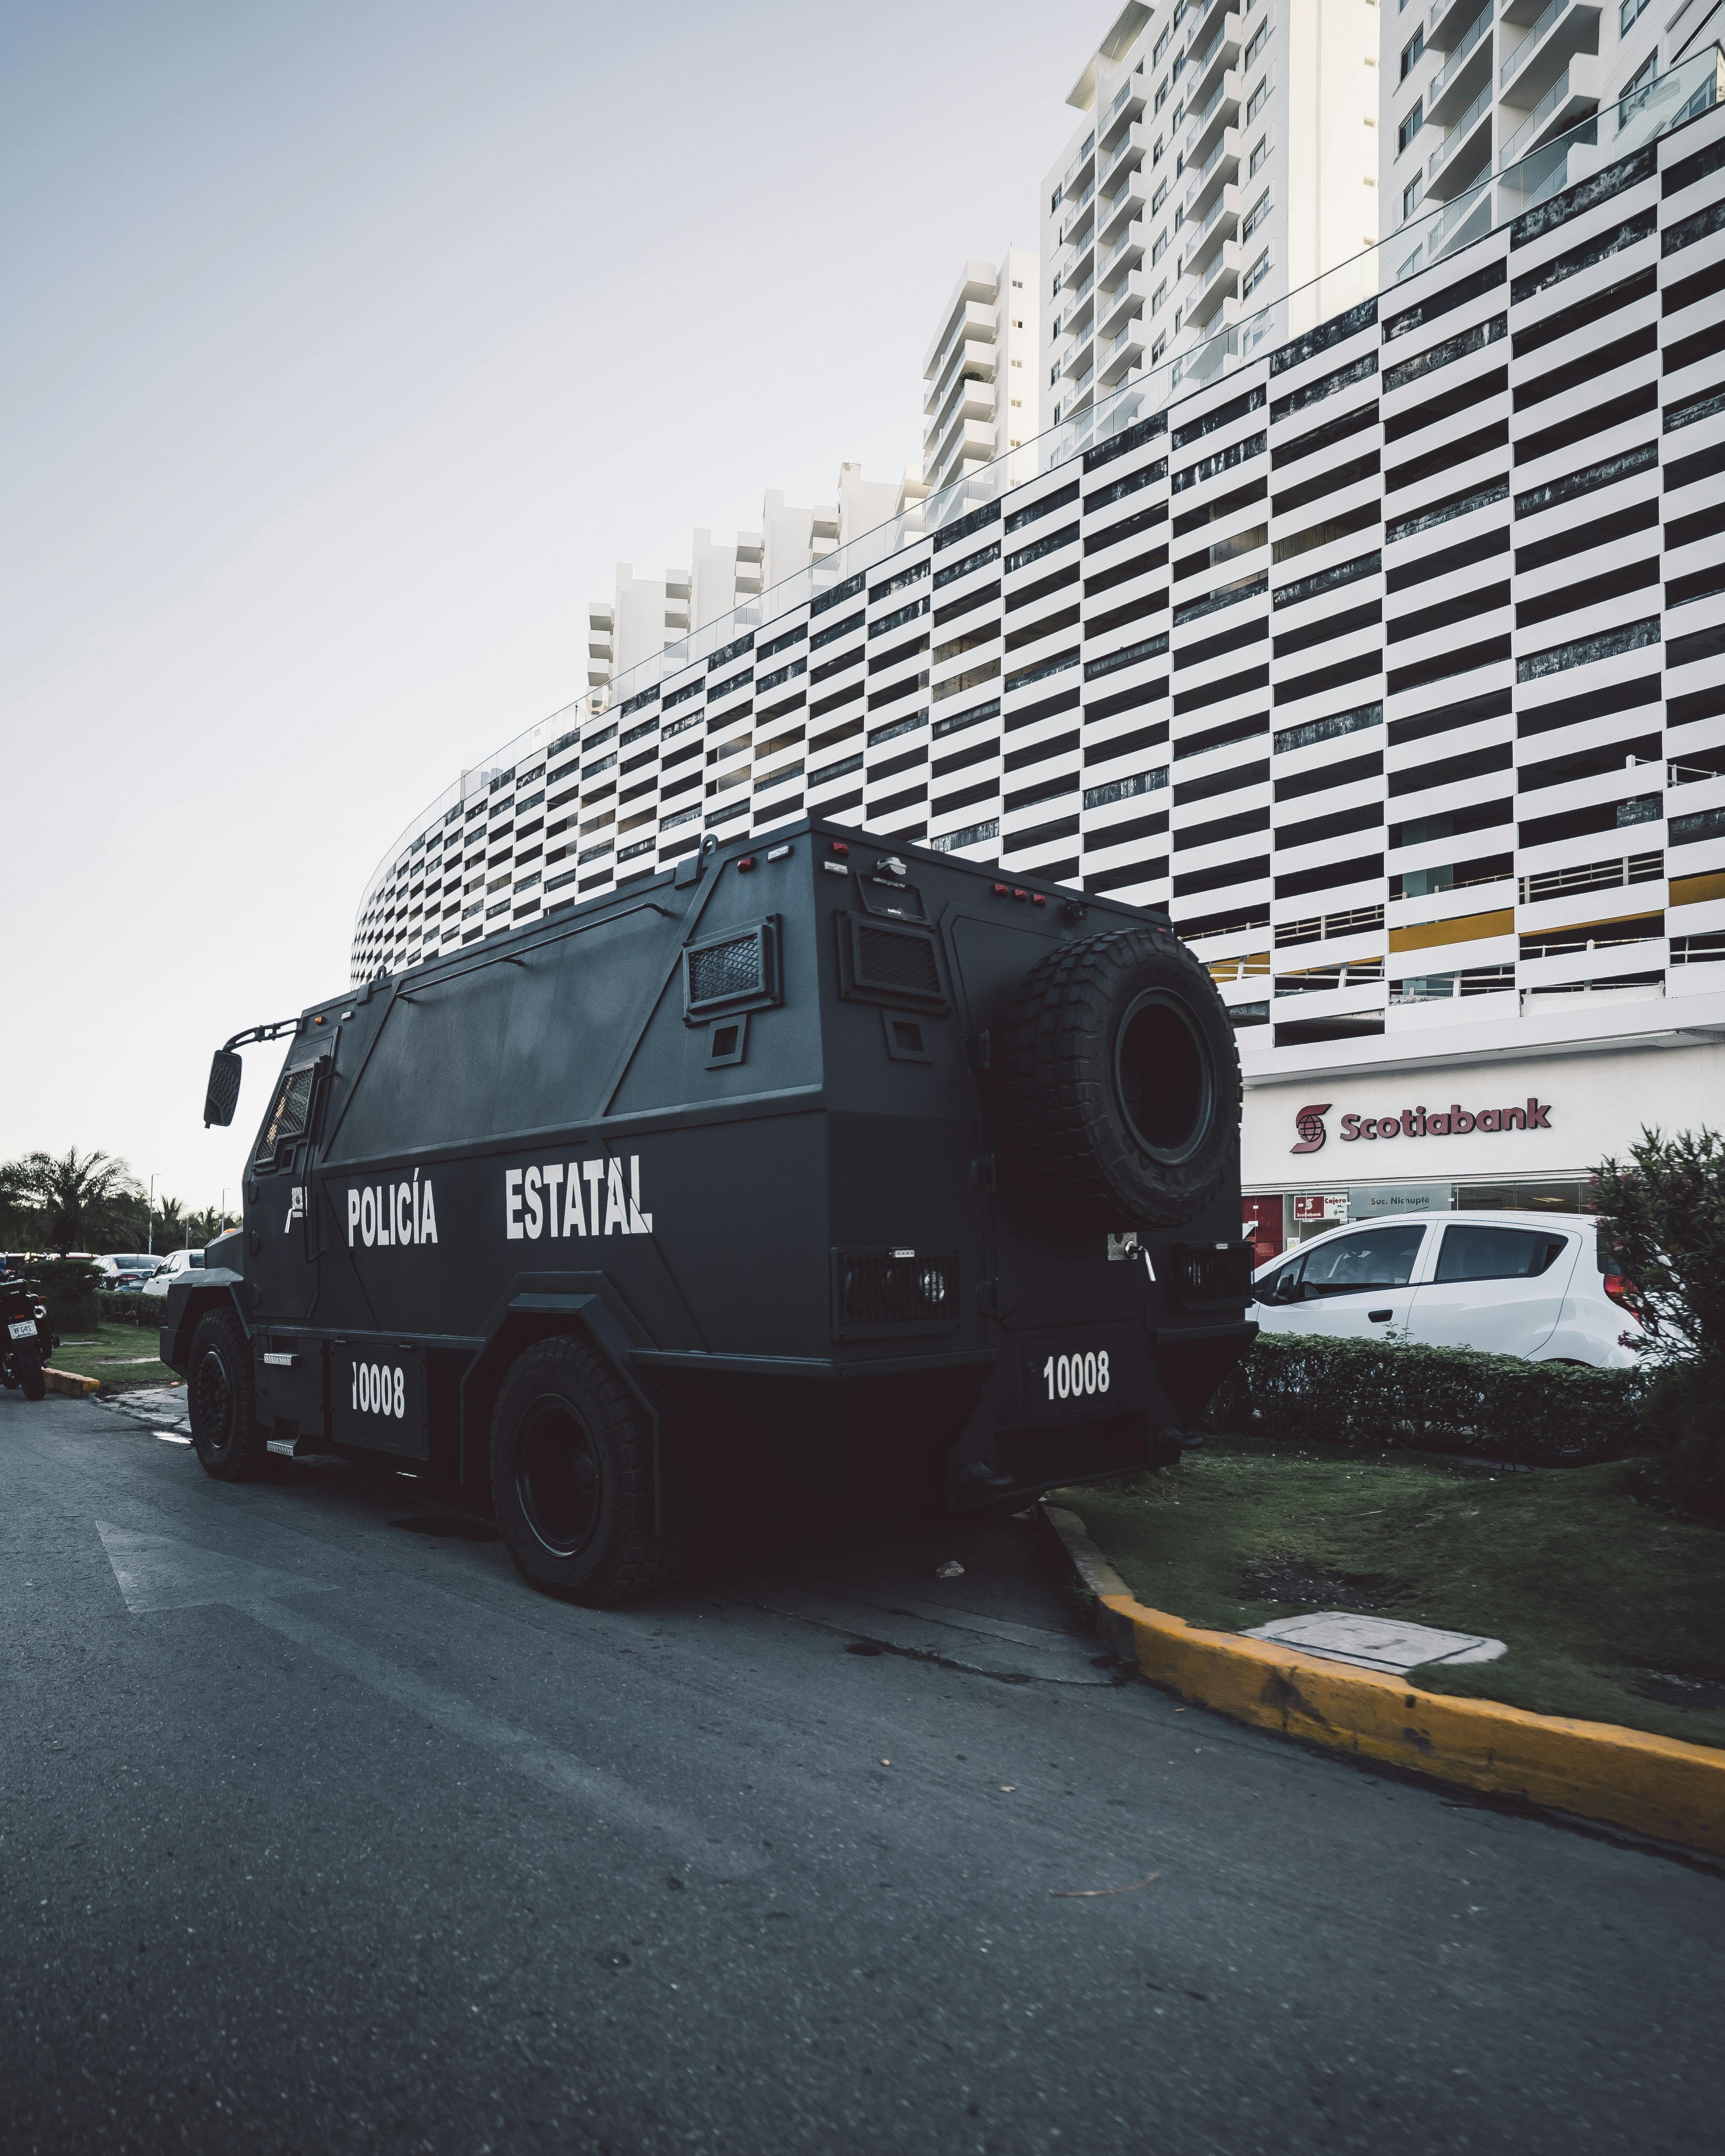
[(1120, 1085)]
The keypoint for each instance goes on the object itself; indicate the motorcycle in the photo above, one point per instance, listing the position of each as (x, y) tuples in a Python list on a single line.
[(26, 1336)]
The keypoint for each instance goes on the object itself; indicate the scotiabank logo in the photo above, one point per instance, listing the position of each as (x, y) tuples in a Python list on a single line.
[(1454, 1121), (1309, 1123)]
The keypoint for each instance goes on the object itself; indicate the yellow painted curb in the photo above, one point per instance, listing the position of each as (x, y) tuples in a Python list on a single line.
[(1651, 1785), (68, 1381)]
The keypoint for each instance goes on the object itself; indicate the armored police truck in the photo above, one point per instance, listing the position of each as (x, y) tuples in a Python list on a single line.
[(826, 1166)]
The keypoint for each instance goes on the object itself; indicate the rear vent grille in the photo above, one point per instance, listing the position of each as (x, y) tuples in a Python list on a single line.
[(886, 960), (1211, 1273), (724, 970), (732, 973)]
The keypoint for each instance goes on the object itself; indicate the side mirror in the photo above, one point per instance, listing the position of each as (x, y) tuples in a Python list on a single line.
[(222, 1095)]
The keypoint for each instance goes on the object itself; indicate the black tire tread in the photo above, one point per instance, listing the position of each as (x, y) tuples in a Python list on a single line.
[(1055, 1084), (639, 1562), (249, 1456)]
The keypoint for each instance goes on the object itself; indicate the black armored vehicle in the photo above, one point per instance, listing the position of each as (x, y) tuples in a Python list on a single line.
[(826, 1166)]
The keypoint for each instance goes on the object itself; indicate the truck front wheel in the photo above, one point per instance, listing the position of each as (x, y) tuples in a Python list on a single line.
[(571, 1477), (222, 1401)]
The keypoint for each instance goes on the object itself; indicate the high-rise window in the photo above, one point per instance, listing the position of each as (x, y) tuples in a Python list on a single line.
[(1411, 127), (1260, 150), (1255, 103), (1412, 52)]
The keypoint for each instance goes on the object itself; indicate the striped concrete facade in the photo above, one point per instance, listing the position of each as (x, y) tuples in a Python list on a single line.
[(1392, 661)]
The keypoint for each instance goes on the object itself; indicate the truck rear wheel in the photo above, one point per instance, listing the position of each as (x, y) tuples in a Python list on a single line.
[(222, 1401), (1120, 1084), (571, 1477)]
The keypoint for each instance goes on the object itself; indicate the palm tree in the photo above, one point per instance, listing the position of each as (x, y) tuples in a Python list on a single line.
[(75, 1199)]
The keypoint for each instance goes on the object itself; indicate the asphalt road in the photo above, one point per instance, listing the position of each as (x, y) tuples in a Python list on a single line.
[(319, 1831)]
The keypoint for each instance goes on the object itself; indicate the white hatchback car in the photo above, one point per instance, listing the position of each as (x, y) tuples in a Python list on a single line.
[(174, 1266), (1529, 1284)]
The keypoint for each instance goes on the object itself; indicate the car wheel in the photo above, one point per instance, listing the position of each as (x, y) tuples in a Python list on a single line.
[(222, 1400), (571, 1477)]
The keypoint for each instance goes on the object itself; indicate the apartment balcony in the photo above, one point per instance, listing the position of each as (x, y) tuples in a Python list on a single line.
[(1221, 223), (1221, 52), (1222, 110), (1123, 350), (975, 410), (1563, 29), (1126, 106), (1451, 20), (1573, 97), (1129, 296), (974, 321), (1114, 215), (1082, 167), (969, 444), (1221, 281), (1131, 144), (1125, 253), (972, 360), (1458, 82), (1077, 364), (1465, 154), (1219, 169), (1075, 316), (1078, 219)]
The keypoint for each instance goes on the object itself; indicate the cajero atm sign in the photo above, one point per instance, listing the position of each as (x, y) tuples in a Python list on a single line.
[(1312, 1132)]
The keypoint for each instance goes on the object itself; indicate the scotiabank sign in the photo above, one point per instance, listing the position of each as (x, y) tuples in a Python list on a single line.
[(1420, 1122)]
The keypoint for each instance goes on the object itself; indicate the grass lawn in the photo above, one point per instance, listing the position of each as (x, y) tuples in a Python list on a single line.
[(111, 1353), (1612, 1611)]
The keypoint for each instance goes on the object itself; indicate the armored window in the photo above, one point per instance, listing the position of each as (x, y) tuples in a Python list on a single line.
[(735, 972), (288, 1118)]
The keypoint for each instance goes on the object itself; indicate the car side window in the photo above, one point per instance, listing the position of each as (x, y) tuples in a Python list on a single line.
[(1282, 1286), (1471, 1253), (1351, 1265)]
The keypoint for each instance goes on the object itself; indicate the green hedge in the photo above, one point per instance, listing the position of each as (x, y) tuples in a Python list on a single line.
[(69, 1288), (1303, 1389), (125, 1306)]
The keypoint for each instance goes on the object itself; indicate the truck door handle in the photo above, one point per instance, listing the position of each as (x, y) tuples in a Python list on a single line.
[(1379, 1317)]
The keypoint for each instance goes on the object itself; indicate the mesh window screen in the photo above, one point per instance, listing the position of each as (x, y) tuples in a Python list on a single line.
[(724, 970), (287, 1118), (898, 962)]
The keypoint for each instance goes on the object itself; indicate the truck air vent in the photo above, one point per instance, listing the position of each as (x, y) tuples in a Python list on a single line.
[(894, 1287), (1211, 1273), (724, 970), (287, 1118), (898, 962), (883, 964), (736, 972)]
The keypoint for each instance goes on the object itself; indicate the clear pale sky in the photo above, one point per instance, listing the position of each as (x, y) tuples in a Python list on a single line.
[(343, 349)]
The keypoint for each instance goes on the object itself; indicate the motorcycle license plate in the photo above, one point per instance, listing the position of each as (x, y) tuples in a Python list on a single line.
[(23, 1328)]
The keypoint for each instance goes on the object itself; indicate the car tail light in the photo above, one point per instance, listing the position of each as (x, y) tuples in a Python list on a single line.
[(1618, 1288)]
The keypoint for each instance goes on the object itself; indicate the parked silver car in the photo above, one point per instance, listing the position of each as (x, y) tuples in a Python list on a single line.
[(1533, 1284)]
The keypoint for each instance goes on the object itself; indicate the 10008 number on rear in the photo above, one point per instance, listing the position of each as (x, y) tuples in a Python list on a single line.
[(1076, 1377)]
